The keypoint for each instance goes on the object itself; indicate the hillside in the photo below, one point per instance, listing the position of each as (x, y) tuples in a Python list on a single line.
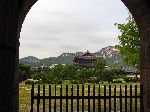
[(65, 58), (110, 53)]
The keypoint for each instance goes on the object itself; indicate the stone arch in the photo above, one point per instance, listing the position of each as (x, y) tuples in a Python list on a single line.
[(25, 7), (12, 15), (140, 9)]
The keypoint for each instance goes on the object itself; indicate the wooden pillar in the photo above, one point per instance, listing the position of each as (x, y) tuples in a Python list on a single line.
[(140, 9), (8, 56)]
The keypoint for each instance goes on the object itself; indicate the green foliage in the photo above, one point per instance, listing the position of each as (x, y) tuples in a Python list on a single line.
[(131, 79), (73, 74), (24, 72), (119, 80), (118, 73), (66, 82), (57, 71), (74, 81), (129, 42), (83, 74), (110, 74), (69, 72), (107, 75), (29, 82), (99, 63)]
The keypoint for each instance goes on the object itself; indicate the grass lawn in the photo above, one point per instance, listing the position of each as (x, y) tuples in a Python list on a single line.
[(25, 92)]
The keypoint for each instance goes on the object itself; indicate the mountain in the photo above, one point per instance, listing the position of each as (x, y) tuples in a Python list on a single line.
[(64, 58), (29, 60), (110, 53)]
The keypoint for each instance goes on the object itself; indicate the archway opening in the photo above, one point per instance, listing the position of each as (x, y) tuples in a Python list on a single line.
[(81, 23)]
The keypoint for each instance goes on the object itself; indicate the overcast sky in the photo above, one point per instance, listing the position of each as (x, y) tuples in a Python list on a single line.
[(56, 26)]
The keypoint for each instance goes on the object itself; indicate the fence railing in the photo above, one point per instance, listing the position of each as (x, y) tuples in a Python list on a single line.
[(72, 98)]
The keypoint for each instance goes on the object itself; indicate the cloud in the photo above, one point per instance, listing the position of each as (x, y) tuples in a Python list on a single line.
[(70, 48), (56, 26)]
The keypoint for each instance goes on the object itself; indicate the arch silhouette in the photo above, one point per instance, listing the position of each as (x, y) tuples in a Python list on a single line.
[(12, 15)]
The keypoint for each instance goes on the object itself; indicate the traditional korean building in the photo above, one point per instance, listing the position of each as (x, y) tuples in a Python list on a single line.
[(85, 60)]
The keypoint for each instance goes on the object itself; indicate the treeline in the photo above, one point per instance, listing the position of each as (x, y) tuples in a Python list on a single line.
[(78, 75), (74, 74)]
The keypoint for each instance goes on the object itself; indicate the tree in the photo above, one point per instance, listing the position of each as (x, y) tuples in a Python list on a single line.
[(99, 63), (69, 72), (129, 42), (83, 74), (57, 71), (24, 72)]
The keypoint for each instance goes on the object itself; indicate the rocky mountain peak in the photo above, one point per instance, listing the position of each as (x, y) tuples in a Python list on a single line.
[(107, 52)]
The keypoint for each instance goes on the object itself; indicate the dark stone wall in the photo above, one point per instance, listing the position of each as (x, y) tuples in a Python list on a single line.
[(8, 55), (12, 15), (140, 9)]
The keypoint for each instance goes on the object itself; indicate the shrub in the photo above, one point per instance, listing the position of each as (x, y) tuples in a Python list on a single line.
[(29, 82), (93, 80), (74, 81), (66, 82), (132, 79), (38, 82), (57, 81), (119, 80)]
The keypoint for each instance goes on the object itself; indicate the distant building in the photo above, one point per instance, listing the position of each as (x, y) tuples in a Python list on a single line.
[(39, 69), (131, 72), (85, 60)]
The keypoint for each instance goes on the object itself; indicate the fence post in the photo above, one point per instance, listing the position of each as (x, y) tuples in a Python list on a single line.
[(82, 98), (115, 98), (66, 98), (49, 98), (43, 98), (99, 99), (130, 98), (135, 98), (109, 98), (38, 99), (88, 98), (32, 97), (120, 99), (72, 98), (126, 98), (61, 98), (77, 98), (94, 98), (104, 98), (55, 100)]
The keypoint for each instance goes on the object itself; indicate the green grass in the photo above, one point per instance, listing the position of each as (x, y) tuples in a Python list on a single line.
[(25, 92)]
